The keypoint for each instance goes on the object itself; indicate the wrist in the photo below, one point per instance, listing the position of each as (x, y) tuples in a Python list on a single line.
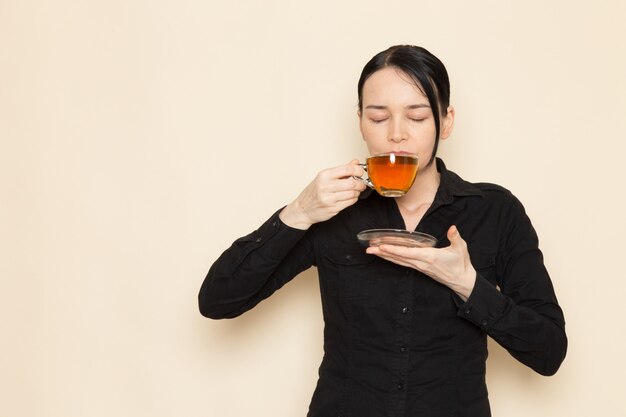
[(465, 285), (294, 216)]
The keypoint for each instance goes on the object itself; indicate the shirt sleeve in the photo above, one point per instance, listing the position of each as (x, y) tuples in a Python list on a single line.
[(253, 268), (523, 316)]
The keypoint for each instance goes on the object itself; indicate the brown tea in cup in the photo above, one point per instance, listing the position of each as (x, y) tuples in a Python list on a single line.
[(390, 174)]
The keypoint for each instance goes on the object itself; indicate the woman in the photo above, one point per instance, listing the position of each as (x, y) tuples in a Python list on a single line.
[(405, 328)]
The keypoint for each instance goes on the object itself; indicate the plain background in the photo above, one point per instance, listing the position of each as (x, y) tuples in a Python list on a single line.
[(140, 138)]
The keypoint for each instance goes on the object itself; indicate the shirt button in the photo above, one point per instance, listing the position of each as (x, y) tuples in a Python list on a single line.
[(405, 310), (274, 223), (467, 311), (484, 322), (258, 239), (402, 348), (400, 387)]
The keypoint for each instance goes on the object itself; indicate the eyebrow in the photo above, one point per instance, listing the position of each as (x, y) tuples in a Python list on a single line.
[(411, 107)]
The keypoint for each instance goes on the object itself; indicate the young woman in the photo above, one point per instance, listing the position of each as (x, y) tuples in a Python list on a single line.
[(405, 328)]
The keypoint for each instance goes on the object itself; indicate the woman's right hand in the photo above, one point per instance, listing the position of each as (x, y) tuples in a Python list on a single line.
[(331, 191)]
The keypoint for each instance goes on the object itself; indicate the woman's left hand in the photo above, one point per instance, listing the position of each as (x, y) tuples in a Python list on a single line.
[(450, 266)]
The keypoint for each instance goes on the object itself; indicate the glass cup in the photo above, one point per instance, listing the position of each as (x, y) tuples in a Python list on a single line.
[(390, 174)]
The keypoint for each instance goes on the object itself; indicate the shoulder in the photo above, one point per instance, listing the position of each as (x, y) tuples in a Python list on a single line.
[(490, 194), (495, 198), (501, 200), (492, 190)]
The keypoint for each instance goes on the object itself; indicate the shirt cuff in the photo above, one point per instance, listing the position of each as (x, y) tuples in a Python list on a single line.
[(281, 236), (485, 304)]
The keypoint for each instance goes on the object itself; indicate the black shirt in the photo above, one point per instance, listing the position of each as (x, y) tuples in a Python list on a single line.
[(396, 342)]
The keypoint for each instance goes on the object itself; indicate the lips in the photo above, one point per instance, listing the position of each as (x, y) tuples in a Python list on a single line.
[(399, 153)]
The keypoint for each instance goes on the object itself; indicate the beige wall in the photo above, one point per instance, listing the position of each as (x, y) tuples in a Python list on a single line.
[(138, 139)]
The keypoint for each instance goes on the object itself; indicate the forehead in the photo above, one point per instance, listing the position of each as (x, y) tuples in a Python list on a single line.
[(389, 86)]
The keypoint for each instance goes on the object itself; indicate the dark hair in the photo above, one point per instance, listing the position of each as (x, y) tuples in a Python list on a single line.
[(426, 70)]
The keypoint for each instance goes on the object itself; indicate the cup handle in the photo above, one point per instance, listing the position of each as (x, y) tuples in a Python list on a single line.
[(366, 181)]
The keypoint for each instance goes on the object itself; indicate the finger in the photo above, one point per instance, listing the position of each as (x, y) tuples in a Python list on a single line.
[(359, 185), (329, 186), (348, 170), (346, 184), (387, 252), (345, 203), (356, 164), (419, 254), (345, 195), (374, 250)]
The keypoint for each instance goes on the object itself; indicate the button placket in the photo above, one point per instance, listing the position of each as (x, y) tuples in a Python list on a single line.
[(403, 313)]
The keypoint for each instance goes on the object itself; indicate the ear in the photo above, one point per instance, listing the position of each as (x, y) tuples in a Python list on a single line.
[(447, 123)]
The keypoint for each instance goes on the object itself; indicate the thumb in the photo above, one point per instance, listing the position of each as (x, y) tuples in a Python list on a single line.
[(454, 236)]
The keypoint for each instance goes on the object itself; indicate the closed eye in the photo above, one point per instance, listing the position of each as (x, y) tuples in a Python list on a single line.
[(378, 120)]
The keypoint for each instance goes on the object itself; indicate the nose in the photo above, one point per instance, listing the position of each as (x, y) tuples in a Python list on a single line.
[(396, 133)]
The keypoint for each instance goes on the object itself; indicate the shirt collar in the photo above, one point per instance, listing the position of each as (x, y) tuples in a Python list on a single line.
[(451, 185)]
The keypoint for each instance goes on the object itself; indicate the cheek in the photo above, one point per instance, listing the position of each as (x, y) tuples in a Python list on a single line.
[(372, 132), (364, 128), (425, 133), (366, 132), (374, 138), (425, 142)]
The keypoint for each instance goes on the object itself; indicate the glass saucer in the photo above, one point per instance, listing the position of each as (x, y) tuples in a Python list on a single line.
[(375, 237)]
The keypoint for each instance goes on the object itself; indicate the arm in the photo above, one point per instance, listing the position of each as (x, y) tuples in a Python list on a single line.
[(524, 316), (253, 268), (258, 264)]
